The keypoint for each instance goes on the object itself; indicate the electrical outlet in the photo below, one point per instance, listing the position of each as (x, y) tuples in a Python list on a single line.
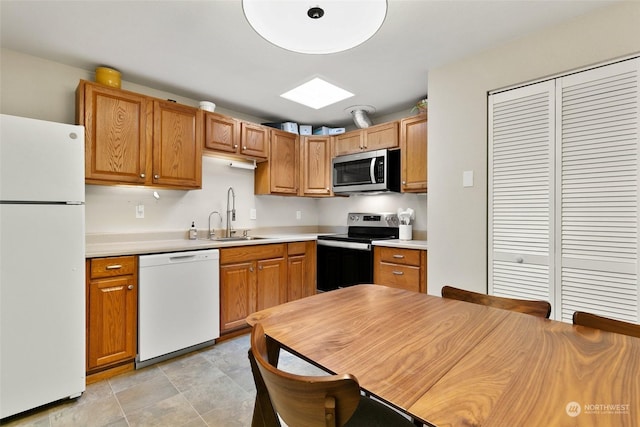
[(298, 214), (140, 211)]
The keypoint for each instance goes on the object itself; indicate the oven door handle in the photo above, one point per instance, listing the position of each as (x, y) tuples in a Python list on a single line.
[(347, 245)]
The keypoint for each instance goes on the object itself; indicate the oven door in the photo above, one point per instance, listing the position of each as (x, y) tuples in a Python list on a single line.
[(342, 264)]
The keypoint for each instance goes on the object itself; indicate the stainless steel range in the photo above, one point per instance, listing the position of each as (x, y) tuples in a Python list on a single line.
[(347, 259)]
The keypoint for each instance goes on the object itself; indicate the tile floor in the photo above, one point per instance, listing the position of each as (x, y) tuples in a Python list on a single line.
[(211, 387)]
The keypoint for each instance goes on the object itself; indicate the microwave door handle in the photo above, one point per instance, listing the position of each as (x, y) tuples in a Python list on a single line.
[(372, 170)]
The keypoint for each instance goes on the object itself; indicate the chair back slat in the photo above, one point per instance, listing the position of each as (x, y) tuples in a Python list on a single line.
[(533, 307), (606, 324)]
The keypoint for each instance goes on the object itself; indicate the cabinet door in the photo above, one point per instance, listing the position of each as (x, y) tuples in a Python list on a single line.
[(177, 145), (222, 133), (271, 287), (284, 163), (118, 130), (316, 166), (112, 321), (348, 143), (381, 136), (413, 143), (254, 140), (237, 294)]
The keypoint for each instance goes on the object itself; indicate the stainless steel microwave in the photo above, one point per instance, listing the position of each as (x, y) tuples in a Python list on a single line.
[(371, 171)]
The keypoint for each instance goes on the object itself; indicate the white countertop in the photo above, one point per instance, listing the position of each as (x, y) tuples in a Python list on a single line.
[(405, 244), (103, 249), (138, 244)]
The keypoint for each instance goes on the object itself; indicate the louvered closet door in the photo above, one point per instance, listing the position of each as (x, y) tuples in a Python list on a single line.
[(521, 148), (597, 159)]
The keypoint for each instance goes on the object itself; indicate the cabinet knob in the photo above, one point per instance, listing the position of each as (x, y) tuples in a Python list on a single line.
[(156, 176), (235, 145), (142, 175), (130, 287), (260, 267), (404, 182), (251, 269), (244, 148)]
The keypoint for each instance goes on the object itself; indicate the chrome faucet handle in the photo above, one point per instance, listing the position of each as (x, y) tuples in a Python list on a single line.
[(232, 232), (245, 233)]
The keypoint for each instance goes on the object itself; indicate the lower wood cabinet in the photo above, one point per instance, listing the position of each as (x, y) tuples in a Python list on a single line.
[(256, 277), (400, 268), (112, 311)]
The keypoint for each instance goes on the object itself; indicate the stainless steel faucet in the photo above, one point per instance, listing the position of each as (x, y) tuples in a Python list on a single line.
[(212, 231), (231, 213)]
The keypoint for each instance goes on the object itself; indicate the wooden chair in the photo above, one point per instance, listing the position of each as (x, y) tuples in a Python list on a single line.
[(533, 307), (604, 323), (318, 401)]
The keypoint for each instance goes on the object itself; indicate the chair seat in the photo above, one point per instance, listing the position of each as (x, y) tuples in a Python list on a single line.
[(371, 413)]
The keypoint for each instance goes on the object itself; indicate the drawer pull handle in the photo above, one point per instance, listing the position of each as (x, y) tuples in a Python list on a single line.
[(398, 256), (113, 267), (398, 273)]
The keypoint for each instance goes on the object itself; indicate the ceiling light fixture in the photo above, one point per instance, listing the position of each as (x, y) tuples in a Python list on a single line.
[(330, 27), (317, 93)]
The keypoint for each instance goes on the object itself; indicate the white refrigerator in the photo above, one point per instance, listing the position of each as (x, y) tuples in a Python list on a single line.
[(42, 285)]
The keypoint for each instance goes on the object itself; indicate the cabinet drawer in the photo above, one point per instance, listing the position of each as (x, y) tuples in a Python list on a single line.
[(296, 248), (400, 256), (117, 266), (251, 253), (398, 276)]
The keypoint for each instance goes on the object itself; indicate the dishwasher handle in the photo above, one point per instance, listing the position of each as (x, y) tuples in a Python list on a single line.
[(182, 258)]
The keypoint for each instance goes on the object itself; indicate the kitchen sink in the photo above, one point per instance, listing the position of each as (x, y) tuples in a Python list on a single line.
[(235, 238)]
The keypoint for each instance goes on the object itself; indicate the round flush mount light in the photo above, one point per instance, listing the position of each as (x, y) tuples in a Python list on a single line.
[(329, 26)]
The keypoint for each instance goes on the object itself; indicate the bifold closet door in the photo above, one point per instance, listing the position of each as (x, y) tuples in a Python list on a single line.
[(598, 118), (521, 192)]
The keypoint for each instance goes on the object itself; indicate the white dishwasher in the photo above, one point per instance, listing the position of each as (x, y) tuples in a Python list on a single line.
[(178, 304)]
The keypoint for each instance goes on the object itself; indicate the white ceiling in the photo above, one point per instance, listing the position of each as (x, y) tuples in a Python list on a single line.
[(206, 50)]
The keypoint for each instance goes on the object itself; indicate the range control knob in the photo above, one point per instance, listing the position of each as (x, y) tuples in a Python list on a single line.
[(354, 218)]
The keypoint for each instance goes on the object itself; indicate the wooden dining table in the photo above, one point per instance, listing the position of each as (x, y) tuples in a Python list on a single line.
[(451, 363)]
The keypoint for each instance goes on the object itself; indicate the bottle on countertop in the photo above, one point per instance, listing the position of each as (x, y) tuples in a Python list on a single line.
[(193, 232)]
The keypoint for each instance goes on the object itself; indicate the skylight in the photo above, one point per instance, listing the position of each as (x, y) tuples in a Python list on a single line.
[(317, 93)]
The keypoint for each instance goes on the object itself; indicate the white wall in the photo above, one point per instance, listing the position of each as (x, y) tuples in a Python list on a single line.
[(42, 89), (458, 128)]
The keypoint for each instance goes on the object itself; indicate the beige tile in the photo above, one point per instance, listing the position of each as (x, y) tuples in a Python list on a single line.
[(170, 412), (145, 394), (102, 412), (235, 414), (215, 393)]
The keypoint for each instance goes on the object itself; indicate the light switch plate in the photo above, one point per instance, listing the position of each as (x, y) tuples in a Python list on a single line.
[(467, 179), (252, 214), (140, 211)]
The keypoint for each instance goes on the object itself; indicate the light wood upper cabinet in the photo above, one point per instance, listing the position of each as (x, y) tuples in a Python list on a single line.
[(281, 173), (381, 136), (348, 143), (118, 128), (376, 137), (135, 139), (222, 133), (315, 165), (254, 140), (413, 144), (177, 149)]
